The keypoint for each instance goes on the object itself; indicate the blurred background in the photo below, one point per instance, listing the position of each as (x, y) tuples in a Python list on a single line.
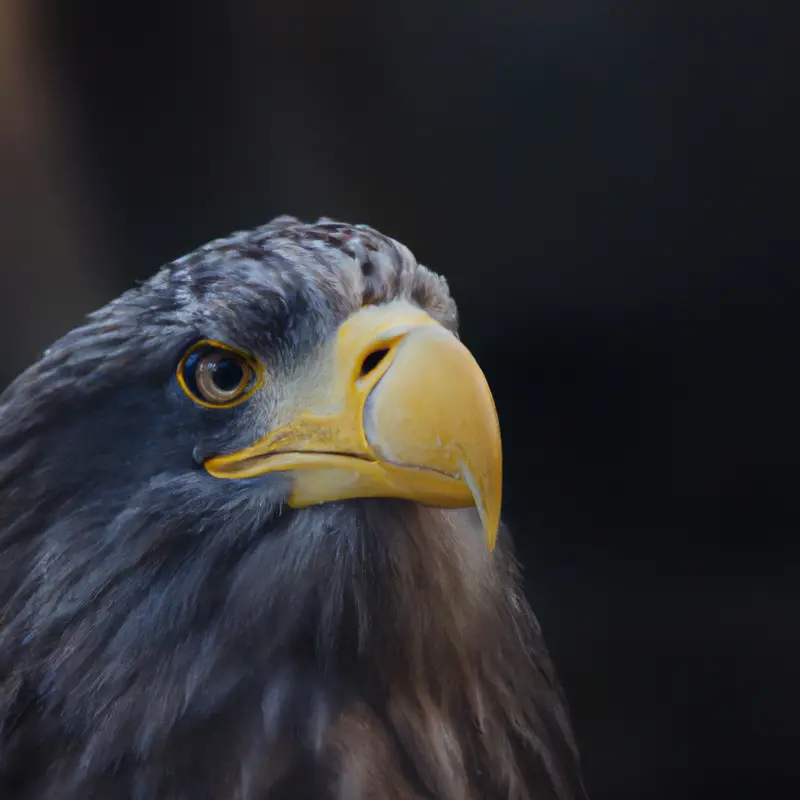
[(605, 185)]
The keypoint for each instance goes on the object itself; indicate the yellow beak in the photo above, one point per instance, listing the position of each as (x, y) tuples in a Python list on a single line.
[(400, 409)]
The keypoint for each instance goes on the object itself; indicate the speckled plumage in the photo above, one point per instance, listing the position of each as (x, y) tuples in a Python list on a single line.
[(167, 635)]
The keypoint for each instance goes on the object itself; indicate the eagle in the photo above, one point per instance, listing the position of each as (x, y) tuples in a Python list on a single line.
[(251, 549)]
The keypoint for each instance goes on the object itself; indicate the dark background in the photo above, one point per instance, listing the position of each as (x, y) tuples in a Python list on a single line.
[(606, 186)]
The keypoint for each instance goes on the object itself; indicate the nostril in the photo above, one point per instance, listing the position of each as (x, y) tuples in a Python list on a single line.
[(372, 361)]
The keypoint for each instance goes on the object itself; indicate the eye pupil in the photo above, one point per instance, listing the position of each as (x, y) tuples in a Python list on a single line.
[(227, 375)]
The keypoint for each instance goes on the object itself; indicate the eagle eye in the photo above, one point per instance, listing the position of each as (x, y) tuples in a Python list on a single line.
[(217, 376)]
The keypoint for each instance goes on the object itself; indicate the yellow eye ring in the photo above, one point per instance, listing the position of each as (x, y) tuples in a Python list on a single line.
[(215, 375)]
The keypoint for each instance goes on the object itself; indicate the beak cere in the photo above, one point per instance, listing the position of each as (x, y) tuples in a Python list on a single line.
[(408, 415)]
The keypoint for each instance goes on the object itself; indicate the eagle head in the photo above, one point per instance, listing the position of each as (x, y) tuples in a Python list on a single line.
[(248, 516)]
